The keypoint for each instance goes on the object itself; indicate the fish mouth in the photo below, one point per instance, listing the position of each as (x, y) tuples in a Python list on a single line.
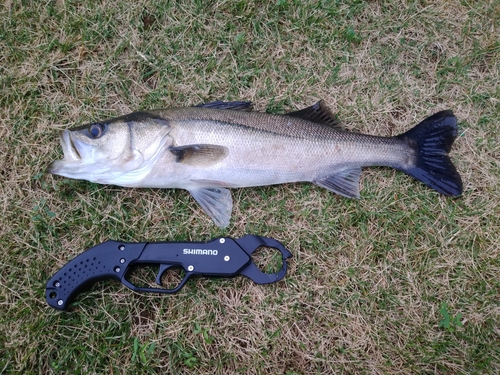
[(71, 155), (69, 148)]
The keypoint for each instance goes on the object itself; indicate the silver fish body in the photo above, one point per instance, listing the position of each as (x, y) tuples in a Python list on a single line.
[(219, 145)]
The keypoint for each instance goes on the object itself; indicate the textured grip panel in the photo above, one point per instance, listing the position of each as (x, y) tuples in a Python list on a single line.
[(108, 260)]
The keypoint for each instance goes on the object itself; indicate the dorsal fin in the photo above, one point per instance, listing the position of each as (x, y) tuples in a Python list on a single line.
[(234, 106), (320, 114)]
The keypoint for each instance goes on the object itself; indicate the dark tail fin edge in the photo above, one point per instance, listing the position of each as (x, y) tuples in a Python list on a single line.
[(432, 139)]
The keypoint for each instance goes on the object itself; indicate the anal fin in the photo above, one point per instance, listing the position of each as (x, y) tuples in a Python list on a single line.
[(345, 183)]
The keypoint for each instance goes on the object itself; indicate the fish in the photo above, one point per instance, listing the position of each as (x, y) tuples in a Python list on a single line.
[(213, 147)]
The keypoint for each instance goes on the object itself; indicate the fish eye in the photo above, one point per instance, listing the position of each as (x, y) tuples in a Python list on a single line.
[(96, 130)]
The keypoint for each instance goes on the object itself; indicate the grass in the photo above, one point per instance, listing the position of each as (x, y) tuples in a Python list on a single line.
[(403, 281)]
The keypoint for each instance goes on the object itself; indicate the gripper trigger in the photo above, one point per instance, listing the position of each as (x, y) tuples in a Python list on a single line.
[(163, 268)]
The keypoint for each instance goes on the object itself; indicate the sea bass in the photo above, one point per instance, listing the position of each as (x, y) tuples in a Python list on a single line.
[(215, 146)]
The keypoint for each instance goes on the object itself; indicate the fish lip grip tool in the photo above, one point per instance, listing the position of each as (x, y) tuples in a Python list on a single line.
[(220, 257)]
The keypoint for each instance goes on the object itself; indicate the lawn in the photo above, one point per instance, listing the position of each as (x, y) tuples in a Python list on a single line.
[(401, 281)]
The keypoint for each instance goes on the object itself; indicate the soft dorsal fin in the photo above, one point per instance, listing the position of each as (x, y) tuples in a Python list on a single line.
[(233, 106), (320, 114)]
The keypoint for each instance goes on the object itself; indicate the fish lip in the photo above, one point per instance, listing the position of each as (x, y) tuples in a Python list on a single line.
[(72, 157), (69, 149)]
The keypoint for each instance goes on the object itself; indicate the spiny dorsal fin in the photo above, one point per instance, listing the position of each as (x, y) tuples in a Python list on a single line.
[(200, 154), (320, 114), (233, 106)]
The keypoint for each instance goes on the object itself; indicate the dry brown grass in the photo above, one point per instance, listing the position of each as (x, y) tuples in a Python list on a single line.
[(368, 278)]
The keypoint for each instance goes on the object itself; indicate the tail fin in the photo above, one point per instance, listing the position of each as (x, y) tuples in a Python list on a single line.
[(432, 139)]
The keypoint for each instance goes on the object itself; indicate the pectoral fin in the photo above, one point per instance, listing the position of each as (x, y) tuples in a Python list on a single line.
[(216, 202), (345, 183), (201, 155)]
